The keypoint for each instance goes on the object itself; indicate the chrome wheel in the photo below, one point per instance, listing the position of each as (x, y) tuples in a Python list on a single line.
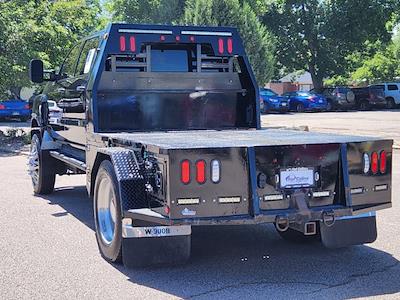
[(106, 209), (33, 161)]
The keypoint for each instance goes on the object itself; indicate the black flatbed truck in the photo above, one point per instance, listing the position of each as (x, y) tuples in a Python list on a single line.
[(165, 123)]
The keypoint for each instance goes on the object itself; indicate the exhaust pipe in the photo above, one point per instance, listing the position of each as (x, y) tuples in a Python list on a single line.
[(282, 223)]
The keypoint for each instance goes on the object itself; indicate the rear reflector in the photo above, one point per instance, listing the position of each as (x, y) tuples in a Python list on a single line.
[(177, 38), (26, 106), (230, 46), (122, 43), (220, 46), (229, 199), (382, 162), (192, 39), (381, 187), (201, 171), (215, 171), (273, 197), (374, 162), (185, 171), (132, 43), (358, 190), (187, 201), (321, 194), (2, 106)]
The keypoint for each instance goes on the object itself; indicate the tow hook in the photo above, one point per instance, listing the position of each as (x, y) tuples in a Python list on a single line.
[(328, 218), (282, 223)]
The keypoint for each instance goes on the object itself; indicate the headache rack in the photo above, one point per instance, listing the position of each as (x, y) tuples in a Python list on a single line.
[(196, 60)]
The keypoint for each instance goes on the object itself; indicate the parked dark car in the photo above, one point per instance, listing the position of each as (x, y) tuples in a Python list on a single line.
[(15, 108), (306, 101), (339, 97), (271, 101), (370, 96)]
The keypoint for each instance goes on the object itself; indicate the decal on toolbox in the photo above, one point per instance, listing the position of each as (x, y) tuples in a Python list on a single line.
[(155, 231), (297, 177)]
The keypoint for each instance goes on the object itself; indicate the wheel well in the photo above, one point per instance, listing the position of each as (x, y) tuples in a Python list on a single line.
[(100, 157), (389, 98)]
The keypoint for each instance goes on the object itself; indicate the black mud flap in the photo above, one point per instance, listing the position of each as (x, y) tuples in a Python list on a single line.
[(142, 251), (348, 232)]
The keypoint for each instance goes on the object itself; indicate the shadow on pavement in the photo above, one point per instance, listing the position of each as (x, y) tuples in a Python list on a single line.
[(253, 262)]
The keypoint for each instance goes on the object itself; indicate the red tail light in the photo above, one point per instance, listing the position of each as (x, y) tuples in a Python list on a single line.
[(201, 171), (2, 106), (192, 39), (230, 46), (132, 43), (177, 38), (185, 171), (122, 43), (382, 160), (374, 162), (162, 38), (26, 106), (220, 46)]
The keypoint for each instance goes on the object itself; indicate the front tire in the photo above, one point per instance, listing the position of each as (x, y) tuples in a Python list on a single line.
[(41, 168), (107, 213)]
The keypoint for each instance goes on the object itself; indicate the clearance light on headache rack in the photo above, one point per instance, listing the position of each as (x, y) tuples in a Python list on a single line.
[(273, 197), (321, 194), (187, 201), (358, 190), (229, 199), (381, 187)]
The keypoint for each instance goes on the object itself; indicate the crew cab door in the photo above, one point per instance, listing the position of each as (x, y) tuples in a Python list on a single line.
[(70, 92)]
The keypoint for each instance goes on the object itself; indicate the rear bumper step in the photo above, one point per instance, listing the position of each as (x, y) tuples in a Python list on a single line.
[(293, 216)]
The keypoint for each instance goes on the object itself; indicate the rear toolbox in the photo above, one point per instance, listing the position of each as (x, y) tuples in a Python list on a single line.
[(260, 183)]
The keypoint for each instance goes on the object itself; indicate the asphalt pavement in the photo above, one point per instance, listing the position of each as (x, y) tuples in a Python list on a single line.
[(48, 248)]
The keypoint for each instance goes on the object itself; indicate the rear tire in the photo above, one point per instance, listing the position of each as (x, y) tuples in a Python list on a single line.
[(41, 168), (390, 104), (107, 213), (300, 107), (364, 105), (298, 237), (329, 105)]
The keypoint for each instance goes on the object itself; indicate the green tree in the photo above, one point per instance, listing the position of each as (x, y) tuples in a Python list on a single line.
[(40, 29), (259, 43), (146, 11), (318, 35)]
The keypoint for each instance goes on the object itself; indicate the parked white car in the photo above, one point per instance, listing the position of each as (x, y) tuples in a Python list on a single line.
[(55, 112), (392, 93)]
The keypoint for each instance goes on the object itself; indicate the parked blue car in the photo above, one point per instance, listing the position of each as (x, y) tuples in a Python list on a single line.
[(271, 101), (306, 101), (15, 108)]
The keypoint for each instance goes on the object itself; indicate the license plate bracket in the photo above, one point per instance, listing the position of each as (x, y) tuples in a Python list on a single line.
[(291, 178)]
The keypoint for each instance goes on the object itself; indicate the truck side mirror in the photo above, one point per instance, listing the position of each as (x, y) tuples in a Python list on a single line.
[(36, 71)]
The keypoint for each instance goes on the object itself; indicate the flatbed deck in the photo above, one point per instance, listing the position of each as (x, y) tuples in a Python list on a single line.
[(233, 138)]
